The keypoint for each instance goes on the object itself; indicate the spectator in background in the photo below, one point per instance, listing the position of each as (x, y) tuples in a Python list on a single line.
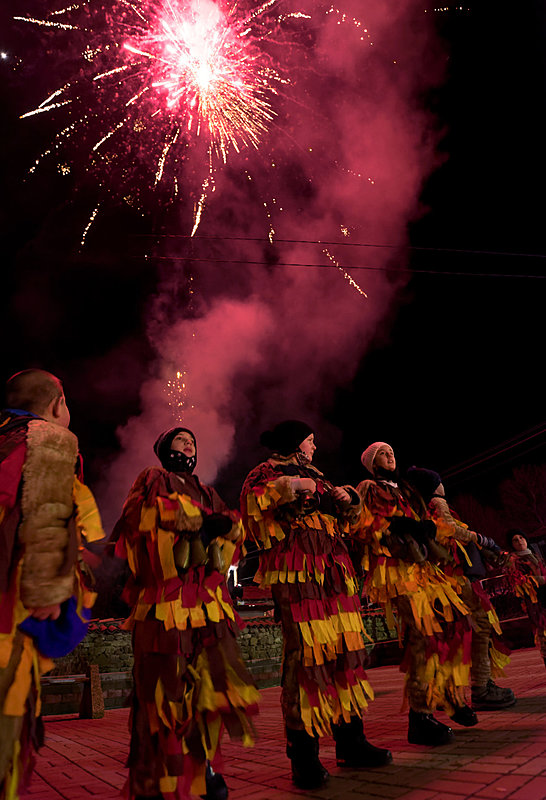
[(527, 576)]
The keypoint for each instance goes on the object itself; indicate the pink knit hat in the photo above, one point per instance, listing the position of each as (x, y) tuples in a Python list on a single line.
[(369, 454)]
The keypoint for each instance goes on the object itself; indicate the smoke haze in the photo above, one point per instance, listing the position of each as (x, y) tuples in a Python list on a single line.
[(258, 341)]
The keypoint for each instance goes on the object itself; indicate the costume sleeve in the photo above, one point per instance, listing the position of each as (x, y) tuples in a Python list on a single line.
[(446, 523), (268, 489), (350, 512), (264, 493), (47, 505)]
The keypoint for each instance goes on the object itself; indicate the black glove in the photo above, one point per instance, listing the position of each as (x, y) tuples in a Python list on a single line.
[(428, 529), (421, 530), (404, 526), (214, 525)]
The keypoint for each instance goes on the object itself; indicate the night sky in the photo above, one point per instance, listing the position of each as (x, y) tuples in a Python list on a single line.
[(455, 364)]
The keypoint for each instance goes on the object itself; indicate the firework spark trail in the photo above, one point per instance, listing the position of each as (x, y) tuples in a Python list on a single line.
[(344, 272), (44, 23), (199, 206), (90, 222)]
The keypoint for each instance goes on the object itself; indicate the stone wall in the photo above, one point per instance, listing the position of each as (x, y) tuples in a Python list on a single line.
[(108, 646)]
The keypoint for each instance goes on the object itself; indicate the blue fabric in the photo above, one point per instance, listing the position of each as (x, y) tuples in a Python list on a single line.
[(20, 412), (55, 638)]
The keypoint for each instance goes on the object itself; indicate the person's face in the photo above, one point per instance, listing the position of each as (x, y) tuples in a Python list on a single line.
[(519, 543), (308, 447), (183, 442), (385, 458)]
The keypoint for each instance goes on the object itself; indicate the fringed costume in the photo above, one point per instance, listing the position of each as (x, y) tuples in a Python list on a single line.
[(490, 655), (466, 566), (45, 514), (307, 566), (298, 518), (189, 679), (404, 576)]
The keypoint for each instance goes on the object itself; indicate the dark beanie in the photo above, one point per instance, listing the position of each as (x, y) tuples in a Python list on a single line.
[(514, 532), (162, 447), (286, 437), (426, 481)]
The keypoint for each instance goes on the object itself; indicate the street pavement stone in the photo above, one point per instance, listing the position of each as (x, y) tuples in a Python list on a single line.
[(502, 757)]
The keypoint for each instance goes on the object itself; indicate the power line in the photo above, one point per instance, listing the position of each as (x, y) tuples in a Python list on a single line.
[(496, 465), (508, 444), (319, 242), (498, 450), (348, 267)]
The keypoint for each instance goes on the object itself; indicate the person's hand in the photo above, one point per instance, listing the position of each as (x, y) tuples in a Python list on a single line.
[(46, 612), (340, 494), (304, 485)]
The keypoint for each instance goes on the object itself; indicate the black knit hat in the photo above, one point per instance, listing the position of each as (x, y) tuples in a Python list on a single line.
[(162, 447), (514, 532), (286, 437), (426, 481)]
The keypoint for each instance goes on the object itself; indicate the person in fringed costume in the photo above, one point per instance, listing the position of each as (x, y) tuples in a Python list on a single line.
[(298, 518), (489, 654), (527, 576), (45, 514), (179, 539), (401, 564)]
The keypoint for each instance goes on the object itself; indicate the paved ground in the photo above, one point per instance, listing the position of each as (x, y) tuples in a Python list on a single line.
[(503, 757)]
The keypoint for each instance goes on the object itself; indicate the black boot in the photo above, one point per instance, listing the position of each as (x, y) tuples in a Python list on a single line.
[(303, 750), (463, 715), (216, 785), (148, 797), (354, 750), (491, 697), (425, 729)]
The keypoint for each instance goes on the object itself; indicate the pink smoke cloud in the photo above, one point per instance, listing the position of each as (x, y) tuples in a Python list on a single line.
[(261, 341)]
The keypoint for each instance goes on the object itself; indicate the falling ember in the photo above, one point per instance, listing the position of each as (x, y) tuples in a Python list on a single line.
[(345, 274), (176, 389), (345, 19)]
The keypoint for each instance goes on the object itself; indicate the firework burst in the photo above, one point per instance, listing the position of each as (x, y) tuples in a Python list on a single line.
[(204, 71), (159, 81)]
